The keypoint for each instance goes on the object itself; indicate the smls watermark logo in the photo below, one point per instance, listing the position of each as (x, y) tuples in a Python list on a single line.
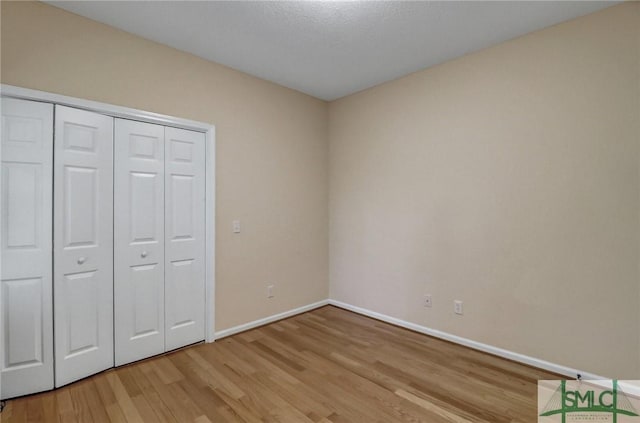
[(588, 401)]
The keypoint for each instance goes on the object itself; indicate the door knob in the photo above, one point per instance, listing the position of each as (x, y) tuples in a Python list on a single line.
[(143, 254), (81, 260)]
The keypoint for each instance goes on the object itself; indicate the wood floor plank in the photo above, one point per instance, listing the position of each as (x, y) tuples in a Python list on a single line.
[(427, 405), (98, 411), (122, 398), (81, 407), (50, 407), (66, 411), (324, 366), (115, 413), (176, 401), (6, 413), (35, 410), (162, 412)]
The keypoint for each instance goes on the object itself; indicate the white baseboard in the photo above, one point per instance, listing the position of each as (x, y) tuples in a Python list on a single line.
[(500, 352), (270, 319), (520, 358)]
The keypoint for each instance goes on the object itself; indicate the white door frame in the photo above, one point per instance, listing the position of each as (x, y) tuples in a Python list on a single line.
[(150, 117)]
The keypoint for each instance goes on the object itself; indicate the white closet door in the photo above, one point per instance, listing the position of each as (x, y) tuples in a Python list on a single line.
[(139, 240), (184, 237), (83, 243), (26, 332)]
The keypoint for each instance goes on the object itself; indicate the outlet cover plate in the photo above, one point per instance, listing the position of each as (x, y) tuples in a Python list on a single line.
[(428, 302)]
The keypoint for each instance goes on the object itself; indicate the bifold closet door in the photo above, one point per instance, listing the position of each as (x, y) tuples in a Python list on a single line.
[(139, 240), (83, 243), (26, 333), (184, 237)]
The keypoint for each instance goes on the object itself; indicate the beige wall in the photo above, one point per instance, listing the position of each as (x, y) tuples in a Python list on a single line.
[(507, 179), (271, 146)]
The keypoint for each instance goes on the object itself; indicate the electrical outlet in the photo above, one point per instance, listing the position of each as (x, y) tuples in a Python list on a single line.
[(236, 226), (457, 306), (427, 300), (270, 293)]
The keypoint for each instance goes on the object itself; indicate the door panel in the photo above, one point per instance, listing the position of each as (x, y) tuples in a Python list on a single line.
[(26, 332), (145, 196), (182, 213), (16, 294), (80, 212), (146, 306), (82, 312), (83, 243), (139, 240), (184, 228), (22, 185), (184, 274)]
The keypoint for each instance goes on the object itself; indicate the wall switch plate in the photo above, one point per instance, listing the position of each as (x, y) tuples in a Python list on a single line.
[(457, 307), (270, 291), (427, 300), (236, 226)]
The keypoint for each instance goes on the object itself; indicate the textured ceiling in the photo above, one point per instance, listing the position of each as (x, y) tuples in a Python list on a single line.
[(329, 49)]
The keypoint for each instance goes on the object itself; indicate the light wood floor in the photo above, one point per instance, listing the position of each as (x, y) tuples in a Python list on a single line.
[(328, 365)]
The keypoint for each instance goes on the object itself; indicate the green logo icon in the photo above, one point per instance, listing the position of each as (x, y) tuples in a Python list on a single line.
[(587, 399)]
